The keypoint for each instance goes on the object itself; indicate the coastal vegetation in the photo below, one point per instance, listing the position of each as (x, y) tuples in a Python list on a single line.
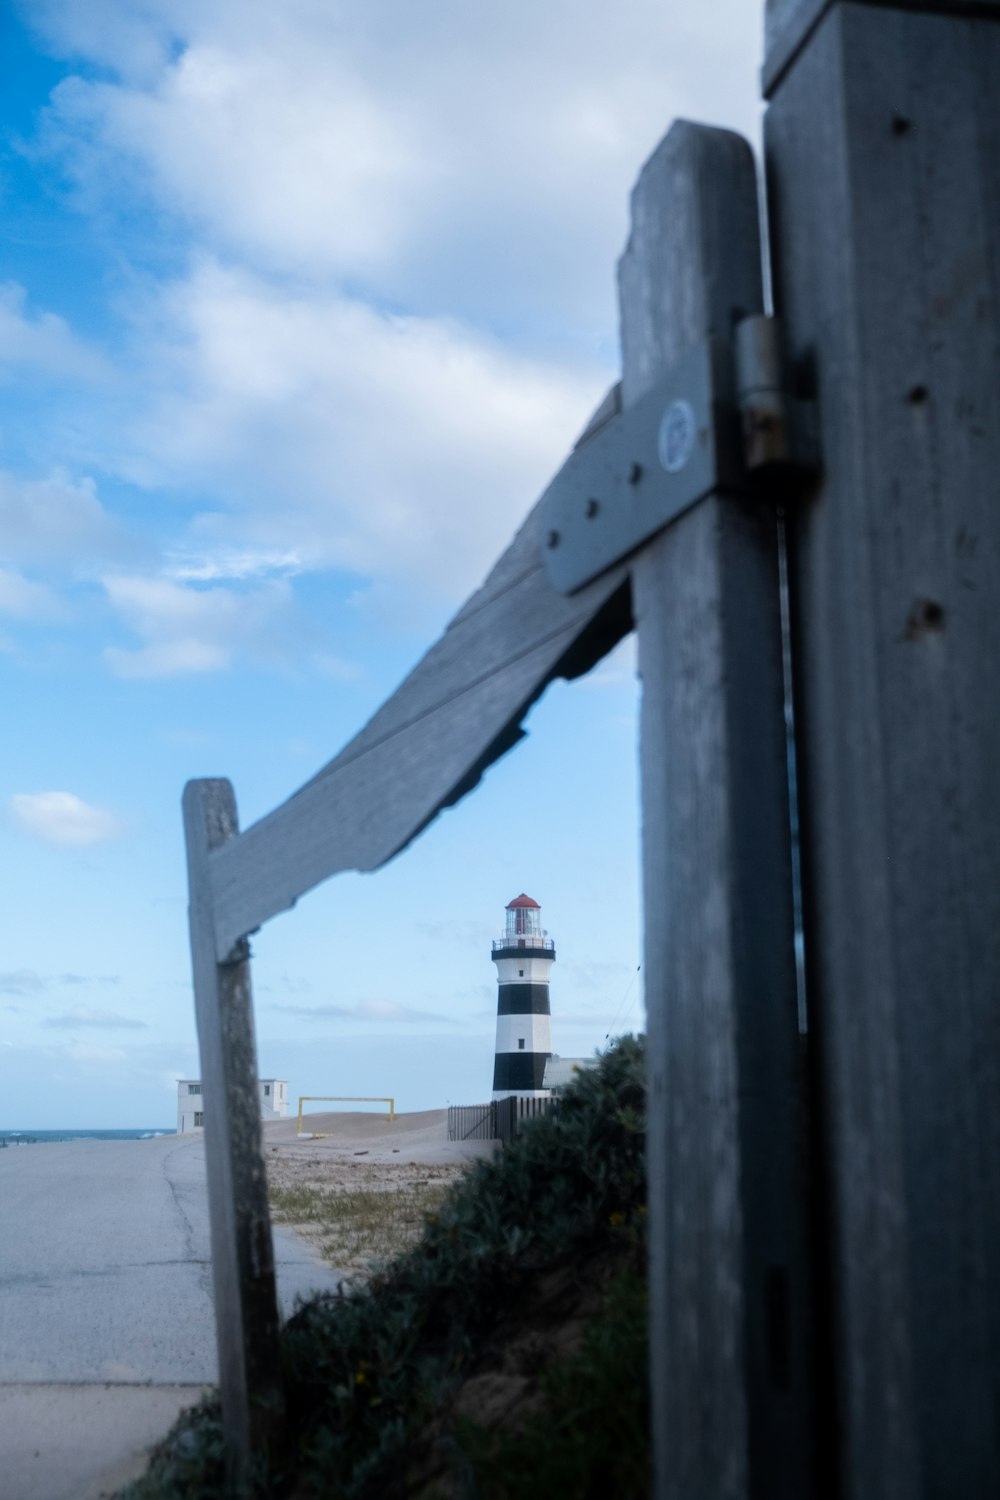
[(502, 1354), (365, 1220)]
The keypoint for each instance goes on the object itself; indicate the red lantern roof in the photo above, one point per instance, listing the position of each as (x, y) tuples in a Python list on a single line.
[(521, 901)]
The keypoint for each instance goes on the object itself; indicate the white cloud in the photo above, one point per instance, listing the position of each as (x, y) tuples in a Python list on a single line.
[(339, 436), (182, 658), (102, 1020), (445, 149), (189, 630), (42, 343), (364, 1010), (57, 521), (23, 599), (240, 563), (21, 982), (284, 154), (65, 819), (30, 982), (133, 38), (56, 529), (382, 215)]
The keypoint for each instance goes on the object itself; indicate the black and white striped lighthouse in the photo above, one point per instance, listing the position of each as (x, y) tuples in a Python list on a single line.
[(524, 957)]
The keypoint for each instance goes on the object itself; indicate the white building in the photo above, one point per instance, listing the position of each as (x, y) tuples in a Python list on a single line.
[(560, 1071), (273, 1093)]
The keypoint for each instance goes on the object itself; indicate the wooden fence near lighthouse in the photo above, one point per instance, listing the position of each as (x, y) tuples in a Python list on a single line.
[(825, 1283)]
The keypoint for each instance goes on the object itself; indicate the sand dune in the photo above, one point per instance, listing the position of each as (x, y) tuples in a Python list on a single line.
[(420, 1137)]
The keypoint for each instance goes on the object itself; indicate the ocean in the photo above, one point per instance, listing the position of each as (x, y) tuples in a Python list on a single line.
[(38, 1137)]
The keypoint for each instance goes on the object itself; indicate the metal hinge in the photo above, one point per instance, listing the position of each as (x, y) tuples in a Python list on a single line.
[(721, 421)]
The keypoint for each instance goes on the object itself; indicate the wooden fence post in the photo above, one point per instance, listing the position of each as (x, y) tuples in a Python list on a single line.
[(727, 1245), (246, 1309), (882, 142)]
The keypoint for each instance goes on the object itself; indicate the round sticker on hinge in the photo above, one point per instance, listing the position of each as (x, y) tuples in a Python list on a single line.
[(677, 434)]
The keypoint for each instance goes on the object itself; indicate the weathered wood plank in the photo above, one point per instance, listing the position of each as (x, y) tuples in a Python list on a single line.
[(726, 1251), (246, 1308), (789, 24), (457, 711), (882, 149)]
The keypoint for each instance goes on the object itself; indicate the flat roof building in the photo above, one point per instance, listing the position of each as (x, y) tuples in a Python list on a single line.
[(272, 1092)]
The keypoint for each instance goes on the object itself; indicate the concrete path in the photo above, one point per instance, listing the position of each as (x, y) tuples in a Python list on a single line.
[(106, 1323)]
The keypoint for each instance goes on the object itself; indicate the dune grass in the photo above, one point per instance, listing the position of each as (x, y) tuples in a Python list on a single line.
[(357, 1228)]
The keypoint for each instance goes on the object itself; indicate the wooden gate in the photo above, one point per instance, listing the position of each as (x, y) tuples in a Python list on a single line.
[(824, 1180)]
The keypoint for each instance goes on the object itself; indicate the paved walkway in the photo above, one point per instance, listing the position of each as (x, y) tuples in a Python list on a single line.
[(106, 1323)]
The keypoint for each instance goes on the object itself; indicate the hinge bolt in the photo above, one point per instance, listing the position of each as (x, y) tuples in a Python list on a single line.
[(634, 473), (593, 506), (552, 539)]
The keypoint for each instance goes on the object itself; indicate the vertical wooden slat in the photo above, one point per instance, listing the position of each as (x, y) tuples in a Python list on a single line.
[(882, 142), (788, 24), (246, 1309), (727, 1252)]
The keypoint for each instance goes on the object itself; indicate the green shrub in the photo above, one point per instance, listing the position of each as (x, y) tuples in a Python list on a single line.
[(591, 1439)]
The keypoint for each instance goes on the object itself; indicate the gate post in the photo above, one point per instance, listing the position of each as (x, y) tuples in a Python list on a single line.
[(882, 141), (246, 1308), (727, 1251)]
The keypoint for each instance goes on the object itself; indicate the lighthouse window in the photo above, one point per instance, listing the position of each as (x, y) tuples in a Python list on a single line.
[(520, 1043), (199, 1119), (521, 972)]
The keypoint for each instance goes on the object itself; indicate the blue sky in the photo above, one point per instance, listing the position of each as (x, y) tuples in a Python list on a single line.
[(300, 308)]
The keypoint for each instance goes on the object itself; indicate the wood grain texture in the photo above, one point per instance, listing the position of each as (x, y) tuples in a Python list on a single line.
[(458, 710), (788, 25), (246, 1308), (882, 144), (726, 1250)]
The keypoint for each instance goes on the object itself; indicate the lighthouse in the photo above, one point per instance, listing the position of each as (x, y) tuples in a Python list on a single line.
[(524, 957)]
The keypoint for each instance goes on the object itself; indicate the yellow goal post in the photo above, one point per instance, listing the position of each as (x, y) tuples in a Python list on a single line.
[(345, 1099)]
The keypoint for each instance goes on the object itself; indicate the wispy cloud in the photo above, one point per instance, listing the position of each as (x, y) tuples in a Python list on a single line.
[(21, 982), (41, 342), (58, 522), (365, 1010), (23, 599), (90, 1054), (180, 658), (98, 1020), (230, 563), (63, 818), (189, 629), (30, 982)]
